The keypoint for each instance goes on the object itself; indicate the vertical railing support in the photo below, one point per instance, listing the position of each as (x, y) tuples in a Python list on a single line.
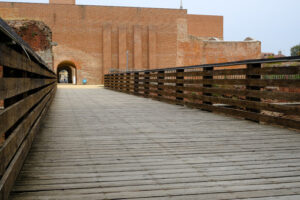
[(136, 83), (121, 82), (146, 83), (252, 86), (160, 82), (127, 82), (117, 80), (2, 135), (207, 85), (1, 76), (179, 86), (113, 82)]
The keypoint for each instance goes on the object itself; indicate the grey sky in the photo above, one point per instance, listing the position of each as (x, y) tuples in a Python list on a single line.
[(274, 22)]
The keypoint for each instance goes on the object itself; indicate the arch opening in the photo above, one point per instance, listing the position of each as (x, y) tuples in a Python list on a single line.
[(66, 72)]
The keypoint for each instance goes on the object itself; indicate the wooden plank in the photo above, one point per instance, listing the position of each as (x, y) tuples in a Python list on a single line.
[(8, 179), (147, 149), (251, 87), (160, 76), (2, 139), (287, 96), (249, 115), (12, 114), (1, 99), (235, 112), (146, 85), (207, 77), (13, 59), (7, 151), (10, 87), (289, 110), (136, 82), (179, 92), (285, 70), (261, 82)]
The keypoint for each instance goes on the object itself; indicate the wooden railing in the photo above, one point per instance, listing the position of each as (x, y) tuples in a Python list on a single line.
[(27, 88), (246, 89)]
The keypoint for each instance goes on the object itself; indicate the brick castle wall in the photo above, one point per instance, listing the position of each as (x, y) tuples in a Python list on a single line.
[(96, 38)]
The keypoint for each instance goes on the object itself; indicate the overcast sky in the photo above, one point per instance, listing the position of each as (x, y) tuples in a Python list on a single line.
[(276, 23)]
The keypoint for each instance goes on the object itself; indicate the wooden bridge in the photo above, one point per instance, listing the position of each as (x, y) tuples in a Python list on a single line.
[(96, 143)]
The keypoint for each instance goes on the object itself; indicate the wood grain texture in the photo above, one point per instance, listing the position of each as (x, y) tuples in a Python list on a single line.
[(261, 94), (13, 59), (119, 146), (11, 145), (8, 179), (12, 114), (10, 87)]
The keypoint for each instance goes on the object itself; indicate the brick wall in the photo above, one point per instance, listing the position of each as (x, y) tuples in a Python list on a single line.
[(62, 2), (96, 38), (205, 26)]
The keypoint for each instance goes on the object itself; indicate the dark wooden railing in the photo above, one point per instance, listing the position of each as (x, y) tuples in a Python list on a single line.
[(254, 89), (27, 88)]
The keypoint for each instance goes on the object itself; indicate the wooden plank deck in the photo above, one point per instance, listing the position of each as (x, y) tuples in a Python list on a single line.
[(100, 144)]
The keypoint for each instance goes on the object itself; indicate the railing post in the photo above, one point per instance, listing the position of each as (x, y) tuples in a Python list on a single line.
[(118, 76), (205, 85), (160, 83), (122, 76), (128, 82), (146, 84), (110, 81), (252, 86), (104, 80), (2, 135), (120, 82), (117, 80), (113, 81), (1, 100), (136, 83), (179, 86)]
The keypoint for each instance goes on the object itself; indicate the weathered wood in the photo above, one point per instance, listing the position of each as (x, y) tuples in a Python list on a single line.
[(146, 85), (8, 179), (251, 87), (7, 151), (136, 82), (160, 81), (179, 76), (153, 150), (9, 116), (207, 77), (286, 70), (2, 139), (11, 58), (288, 96), (10, 87), (282, 83), (1, 99), (241, 89), (249, 115)]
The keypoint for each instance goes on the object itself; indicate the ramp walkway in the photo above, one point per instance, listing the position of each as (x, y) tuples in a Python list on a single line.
[(96, 143)]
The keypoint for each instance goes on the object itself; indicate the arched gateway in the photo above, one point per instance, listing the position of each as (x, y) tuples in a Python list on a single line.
[(66, 72)]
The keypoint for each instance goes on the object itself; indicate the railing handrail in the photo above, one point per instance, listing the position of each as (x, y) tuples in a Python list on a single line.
[(250, 91), (27, 88), (226, 64)]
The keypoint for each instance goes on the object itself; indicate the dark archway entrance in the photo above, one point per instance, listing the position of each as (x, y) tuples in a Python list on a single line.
[(66, 72)]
